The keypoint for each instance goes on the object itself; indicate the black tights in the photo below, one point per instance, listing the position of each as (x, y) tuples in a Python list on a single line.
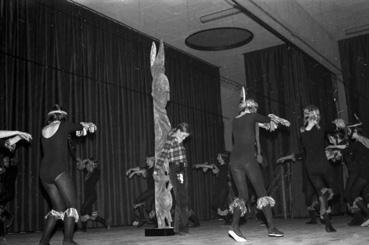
[(62, 195), (252, 170), (319, 182)]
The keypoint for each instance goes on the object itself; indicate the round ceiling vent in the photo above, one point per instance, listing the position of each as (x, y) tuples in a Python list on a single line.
[(220, 38)]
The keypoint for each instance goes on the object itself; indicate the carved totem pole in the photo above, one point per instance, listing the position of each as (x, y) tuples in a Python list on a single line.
[(160, 94)]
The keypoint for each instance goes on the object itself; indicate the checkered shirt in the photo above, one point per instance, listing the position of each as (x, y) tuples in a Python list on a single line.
[(173, 152)]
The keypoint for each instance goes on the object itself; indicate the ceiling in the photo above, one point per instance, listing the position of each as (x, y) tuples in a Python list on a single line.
[(174, 20)]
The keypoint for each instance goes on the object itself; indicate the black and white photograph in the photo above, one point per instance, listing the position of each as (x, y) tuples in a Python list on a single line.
[(189, 122)]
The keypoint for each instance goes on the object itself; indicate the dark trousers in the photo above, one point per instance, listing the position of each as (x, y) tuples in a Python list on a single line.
[(178, 179)]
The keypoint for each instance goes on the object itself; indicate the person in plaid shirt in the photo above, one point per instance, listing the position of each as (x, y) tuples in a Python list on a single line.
[(175, 153)]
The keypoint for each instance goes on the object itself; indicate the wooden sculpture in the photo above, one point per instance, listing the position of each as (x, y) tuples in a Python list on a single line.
[(161, 95)]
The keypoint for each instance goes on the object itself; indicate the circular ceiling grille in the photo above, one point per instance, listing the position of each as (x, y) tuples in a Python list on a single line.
[(219, 38)]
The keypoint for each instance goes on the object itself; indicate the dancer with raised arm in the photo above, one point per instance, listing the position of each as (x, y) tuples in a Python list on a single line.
[(243, 163), (54, 176), (8, 175), (316, 163), (8, 138)]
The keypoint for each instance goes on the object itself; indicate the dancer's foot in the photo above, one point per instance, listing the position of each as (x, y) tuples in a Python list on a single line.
[(274, 232), (328, 225), (236, 234), (365, 223), (329, 228)]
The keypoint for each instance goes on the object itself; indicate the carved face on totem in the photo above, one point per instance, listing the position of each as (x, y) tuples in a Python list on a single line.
[(160, 90), (160, 85)]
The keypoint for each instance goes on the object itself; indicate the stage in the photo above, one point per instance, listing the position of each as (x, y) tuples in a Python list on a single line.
[(215, 233)]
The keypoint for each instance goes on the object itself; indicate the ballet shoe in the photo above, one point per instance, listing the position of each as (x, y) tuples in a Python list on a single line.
[(236, 234), (274, 232)]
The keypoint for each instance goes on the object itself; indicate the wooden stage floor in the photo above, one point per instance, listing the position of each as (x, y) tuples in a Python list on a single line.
[(214, 233)]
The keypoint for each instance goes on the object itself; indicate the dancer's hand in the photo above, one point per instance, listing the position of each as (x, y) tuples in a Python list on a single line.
[(89, 126), (215, 169), (285, 158), (24, 135), (132, 171), (279, 120), (92, 128), (259, 158), (11, 142)]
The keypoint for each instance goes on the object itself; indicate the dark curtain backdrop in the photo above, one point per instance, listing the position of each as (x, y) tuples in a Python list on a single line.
[(56, 52), (354, 53), (283, 80)]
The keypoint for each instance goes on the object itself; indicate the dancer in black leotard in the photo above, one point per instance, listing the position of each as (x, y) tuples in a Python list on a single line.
[(243, 163), (316, 164), (54, 176)]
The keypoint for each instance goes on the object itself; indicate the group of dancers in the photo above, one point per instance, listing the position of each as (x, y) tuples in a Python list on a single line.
[(347, 145), (243, 167)]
